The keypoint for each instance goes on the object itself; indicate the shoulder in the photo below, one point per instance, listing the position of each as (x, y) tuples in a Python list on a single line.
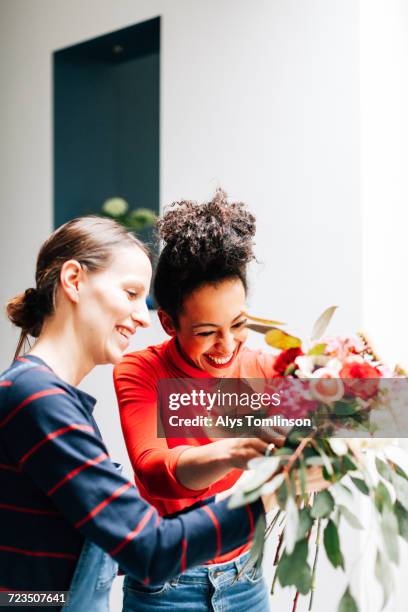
[(146, 361), (40, 390), (33, 380)]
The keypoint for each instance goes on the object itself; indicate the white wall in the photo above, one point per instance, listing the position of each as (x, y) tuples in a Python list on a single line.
[(261, 97)]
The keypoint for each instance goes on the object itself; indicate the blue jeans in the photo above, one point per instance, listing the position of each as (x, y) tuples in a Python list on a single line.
[(207, 587), (92, 580)]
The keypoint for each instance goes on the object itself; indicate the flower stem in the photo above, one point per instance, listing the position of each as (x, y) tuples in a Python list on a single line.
[(313, 588), (276, 560), (295, 455), (295, 601)]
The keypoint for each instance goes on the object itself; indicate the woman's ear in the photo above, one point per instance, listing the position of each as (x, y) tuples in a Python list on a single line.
[(167, 322), (71, 276)]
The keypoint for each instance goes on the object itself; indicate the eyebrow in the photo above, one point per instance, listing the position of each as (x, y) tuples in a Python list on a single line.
[(215, 324)]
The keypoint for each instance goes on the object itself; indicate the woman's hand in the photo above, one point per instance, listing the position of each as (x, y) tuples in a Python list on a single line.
[(236, 452)]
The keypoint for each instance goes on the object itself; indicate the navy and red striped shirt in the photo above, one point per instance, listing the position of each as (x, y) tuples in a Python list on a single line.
[(58, 486)]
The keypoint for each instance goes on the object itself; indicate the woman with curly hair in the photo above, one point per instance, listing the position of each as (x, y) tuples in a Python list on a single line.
[(200, 286)]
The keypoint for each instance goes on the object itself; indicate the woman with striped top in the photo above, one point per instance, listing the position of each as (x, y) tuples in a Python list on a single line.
[(71, 517)]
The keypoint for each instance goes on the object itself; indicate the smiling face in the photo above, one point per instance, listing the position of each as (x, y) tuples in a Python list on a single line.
[(211, 326), (112, 304)]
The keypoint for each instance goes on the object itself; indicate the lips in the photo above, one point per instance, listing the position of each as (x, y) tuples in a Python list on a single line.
[(126, 332), (221, 361)]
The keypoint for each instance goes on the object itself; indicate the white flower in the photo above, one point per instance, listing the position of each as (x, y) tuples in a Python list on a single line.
[(115, 207), (306, 365)]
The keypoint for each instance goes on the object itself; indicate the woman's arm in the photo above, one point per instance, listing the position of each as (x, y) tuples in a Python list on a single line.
[(200, 466), (183, 471), (52, 439)]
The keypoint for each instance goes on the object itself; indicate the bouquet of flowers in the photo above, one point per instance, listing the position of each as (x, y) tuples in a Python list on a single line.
[(342, 384)]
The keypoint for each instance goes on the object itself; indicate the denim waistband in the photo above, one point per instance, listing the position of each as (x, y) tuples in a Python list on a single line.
[(212, 569)]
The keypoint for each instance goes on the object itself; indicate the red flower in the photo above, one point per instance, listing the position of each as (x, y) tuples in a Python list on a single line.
[(285, 359), (353, 371)]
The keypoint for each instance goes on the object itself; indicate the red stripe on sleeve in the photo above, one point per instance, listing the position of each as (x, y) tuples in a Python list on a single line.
[(29, 510), (217, 529), (5, 383), (251, 522), (183, 554), (103, 504), (52, 435), (76, 471), (10, 468), (30, 399), (132, 534), (36, 553)]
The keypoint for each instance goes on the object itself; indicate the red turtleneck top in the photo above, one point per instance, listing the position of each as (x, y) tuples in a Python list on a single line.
[(154, 459)]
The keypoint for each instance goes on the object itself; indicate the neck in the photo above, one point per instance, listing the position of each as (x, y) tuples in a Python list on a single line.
[(61, 349)]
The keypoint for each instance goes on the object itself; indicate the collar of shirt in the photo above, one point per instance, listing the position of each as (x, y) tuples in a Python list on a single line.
[(88, 401)]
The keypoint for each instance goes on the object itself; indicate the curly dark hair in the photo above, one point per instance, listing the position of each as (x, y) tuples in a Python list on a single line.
[(203, 243)]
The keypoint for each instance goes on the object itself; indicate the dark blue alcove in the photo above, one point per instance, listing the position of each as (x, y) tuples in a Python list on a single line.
[(106, 122)]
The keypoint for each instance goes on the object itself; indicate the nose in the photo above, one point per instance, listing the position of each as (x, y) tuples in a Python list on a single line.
[(226, 342), (141, 315)]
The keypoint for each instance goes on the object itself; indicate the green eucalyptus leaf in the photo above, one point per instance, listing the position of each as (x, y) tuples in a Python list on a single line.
[(331, 542), (293, 570), (262, 474), (240, 498), (258, 542), (402, 518), (272, 485), (401, 489), (302, 478), (341, 493), (305, 523), (389, 530), (383, 573), (323, 505), (383, 469), (347, 602), (351, 518), (360, 485), (282, 495), (344, 408), (382, 497)]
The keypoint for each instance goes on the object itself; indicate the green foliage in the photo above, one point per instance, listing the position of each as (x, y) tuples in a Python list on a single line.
[(384, 576), (382, 497), (293, 570), (347, 602), (402, 518), (350, 517), (360, 485), (401, 489), (332, 545), (383, 469), (343, 408), (389, 530), (305, 523), (323, 505)]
